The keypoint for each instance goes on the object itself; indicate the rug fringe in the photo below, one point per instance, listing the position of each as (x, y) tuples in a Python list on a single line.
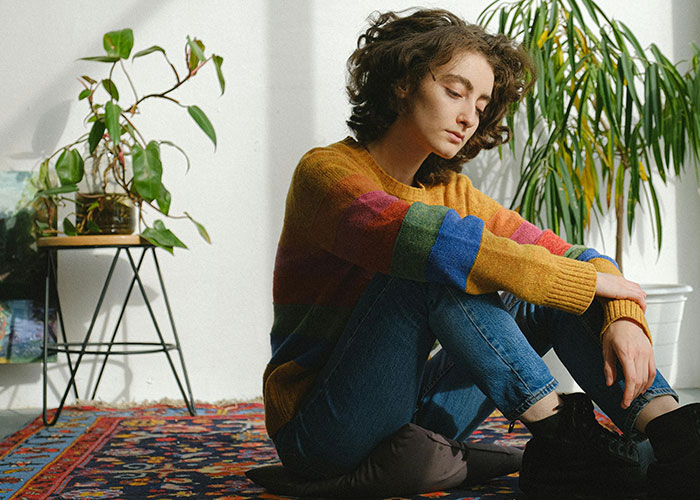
[(178, 403)]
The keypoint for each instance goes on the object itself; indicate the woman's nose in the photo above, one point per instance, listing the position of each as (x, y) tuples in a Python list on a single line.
[(469, 117)]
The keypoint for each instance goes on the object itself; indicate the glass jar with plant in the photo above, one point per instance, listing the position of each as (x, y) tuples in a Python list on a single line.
[(113, 169)]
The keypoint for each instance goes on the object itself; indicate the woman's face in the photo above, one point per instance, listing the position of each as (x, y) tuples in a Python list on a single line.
[(444, 111)]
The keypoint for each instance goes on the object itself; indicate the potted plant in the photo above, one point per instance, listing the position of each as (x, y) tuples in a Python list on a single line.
[(113, 169), (606, 120)]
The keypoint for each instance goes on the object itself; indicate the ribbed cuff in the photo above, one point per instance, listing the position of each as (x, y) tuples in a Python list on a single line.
[(624, 309), (573, 289)]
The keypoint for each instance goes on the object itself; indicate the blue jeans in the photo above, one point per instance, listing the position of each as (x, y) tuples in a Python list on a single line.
[(381, 376)]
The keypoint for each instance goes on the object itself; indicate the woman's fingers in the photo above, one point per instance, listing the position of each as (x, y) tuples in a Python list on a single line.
[(625, 342), (612, 286)]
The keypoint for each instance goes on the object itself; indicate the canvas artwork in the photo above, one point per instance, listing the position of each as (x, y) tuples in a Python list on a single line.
[(22, 273)]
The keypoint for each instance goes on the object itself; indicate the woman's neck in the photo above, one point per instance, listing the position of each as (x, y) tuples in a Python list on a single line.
[(398, 157)]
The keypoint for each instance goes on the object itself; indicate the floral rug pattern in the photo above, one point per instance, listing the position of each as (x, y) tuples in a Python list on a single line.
[(160, 452)]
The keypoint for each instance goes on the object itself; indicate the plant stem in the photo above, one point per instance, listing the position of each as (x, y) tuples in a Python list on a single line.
[(136, 96), (620, 225), (143, 140), (164, 95)]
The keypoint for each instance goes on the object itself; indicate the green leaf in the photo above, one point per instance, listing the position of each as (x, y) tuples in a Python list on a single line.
[(200, 228), (164, 198), (96, 133), (149, 50), (107, 59), (44, 180), (196, 53), (111, 88), (203, 122), (628, 71), (112, 114), (70, 167), (119, 43), (633, 40), (92, 227), (218, 61), (84, 94), (148, 171), (162, 237), (69, 228), (68, 188)]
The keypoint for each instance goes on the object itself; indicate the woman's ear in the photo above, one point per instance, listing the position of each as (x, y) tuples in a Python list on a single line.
[(401, 90), (402, 93)]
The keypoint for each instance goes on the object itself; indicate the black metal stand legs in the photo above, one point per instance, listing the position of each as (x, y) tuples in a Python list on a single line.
[(106, 349)]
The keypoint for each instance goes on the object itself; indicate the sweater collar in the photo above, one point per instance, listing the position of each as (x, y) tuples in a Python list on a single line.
[(390, 185)]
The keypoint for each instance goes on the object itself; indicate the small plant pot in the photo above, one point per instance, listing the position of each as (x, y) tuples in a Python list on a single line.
[(104, 213)]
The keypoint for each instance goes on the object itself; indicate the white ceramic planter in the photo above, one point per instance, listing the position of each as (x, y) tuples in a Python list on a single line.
[(664, 313)]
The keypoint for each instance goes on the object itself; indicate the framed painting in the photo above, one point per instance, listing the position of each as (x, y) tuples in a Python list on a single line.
[(22, 273)]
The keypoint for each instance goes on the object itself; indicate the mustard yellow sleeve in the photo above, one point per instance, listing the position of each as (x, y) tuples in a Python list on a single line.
[(619, 308)]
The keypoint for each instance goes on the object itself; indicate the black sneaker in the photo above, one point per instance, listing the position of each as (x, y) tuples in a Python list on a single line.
[(572, 456), (675, 438)]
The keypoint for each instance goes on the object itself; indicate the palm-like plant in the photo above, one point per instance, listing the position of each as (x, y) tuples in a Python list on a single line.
[(606, 120)]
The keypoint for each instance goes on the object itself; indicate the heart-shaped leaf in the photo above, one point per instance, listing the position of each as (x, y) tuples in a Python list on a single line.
[(111, 88), (96, 133), (196, 53), (160, 236), (69, 228), (70, 167), (164, 198), (148, 171), (119, 43)]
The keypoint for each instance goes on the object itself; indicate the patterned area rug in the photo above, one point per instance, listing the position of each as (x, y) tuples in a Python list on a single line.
[(159, 452)]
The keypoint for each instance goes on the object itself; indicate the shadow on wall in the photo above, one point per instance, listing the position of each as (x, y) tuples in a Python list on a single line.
[(290, 104), (685, 14), (58, 92)]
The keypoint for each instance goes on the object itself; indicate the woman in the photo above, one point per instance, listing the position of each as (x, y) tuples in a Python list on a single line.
[(387, 248)]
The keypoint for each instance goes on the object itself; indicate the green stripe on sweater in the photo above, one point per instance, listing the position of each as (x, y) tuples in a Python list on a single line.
[(574, 251), (322, 322), (416, 239)]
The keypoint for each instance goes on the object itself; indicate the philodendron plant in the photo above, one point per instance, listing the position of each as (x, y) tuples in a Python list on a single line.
[(113, 154)]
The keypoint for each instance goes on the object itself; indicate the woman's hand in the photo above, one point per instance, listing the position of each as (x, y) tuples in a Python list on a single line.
[(612, 286), (625, 341)]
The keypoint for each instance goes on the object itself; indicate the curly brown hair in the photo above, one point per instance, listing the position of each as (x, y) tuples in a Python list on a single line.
[(398, 51)]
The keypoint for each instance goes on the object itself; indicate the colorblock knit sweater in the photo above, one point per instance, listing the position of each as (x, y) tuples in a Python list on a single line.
[(347, 219)]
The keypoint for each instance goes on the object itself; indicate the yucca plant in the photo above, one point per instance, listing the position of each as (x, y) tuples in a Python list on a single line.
[(606, 121)]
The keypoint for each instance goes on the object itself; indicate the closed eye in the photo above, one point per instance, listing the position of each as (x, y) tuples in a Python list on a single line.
[(452, 93)]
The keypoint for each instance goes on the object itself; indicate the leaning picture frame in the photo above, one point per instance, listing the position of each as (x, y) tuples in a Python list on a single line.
[(22, 273)]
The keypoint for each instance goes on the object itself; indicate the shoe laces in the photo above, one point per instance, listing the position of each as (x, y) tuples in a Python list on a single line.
[(582, 416)]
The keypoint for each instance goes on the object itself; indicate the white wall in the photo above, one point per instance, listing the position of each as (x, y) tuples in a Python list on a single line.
[(284, 64)]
